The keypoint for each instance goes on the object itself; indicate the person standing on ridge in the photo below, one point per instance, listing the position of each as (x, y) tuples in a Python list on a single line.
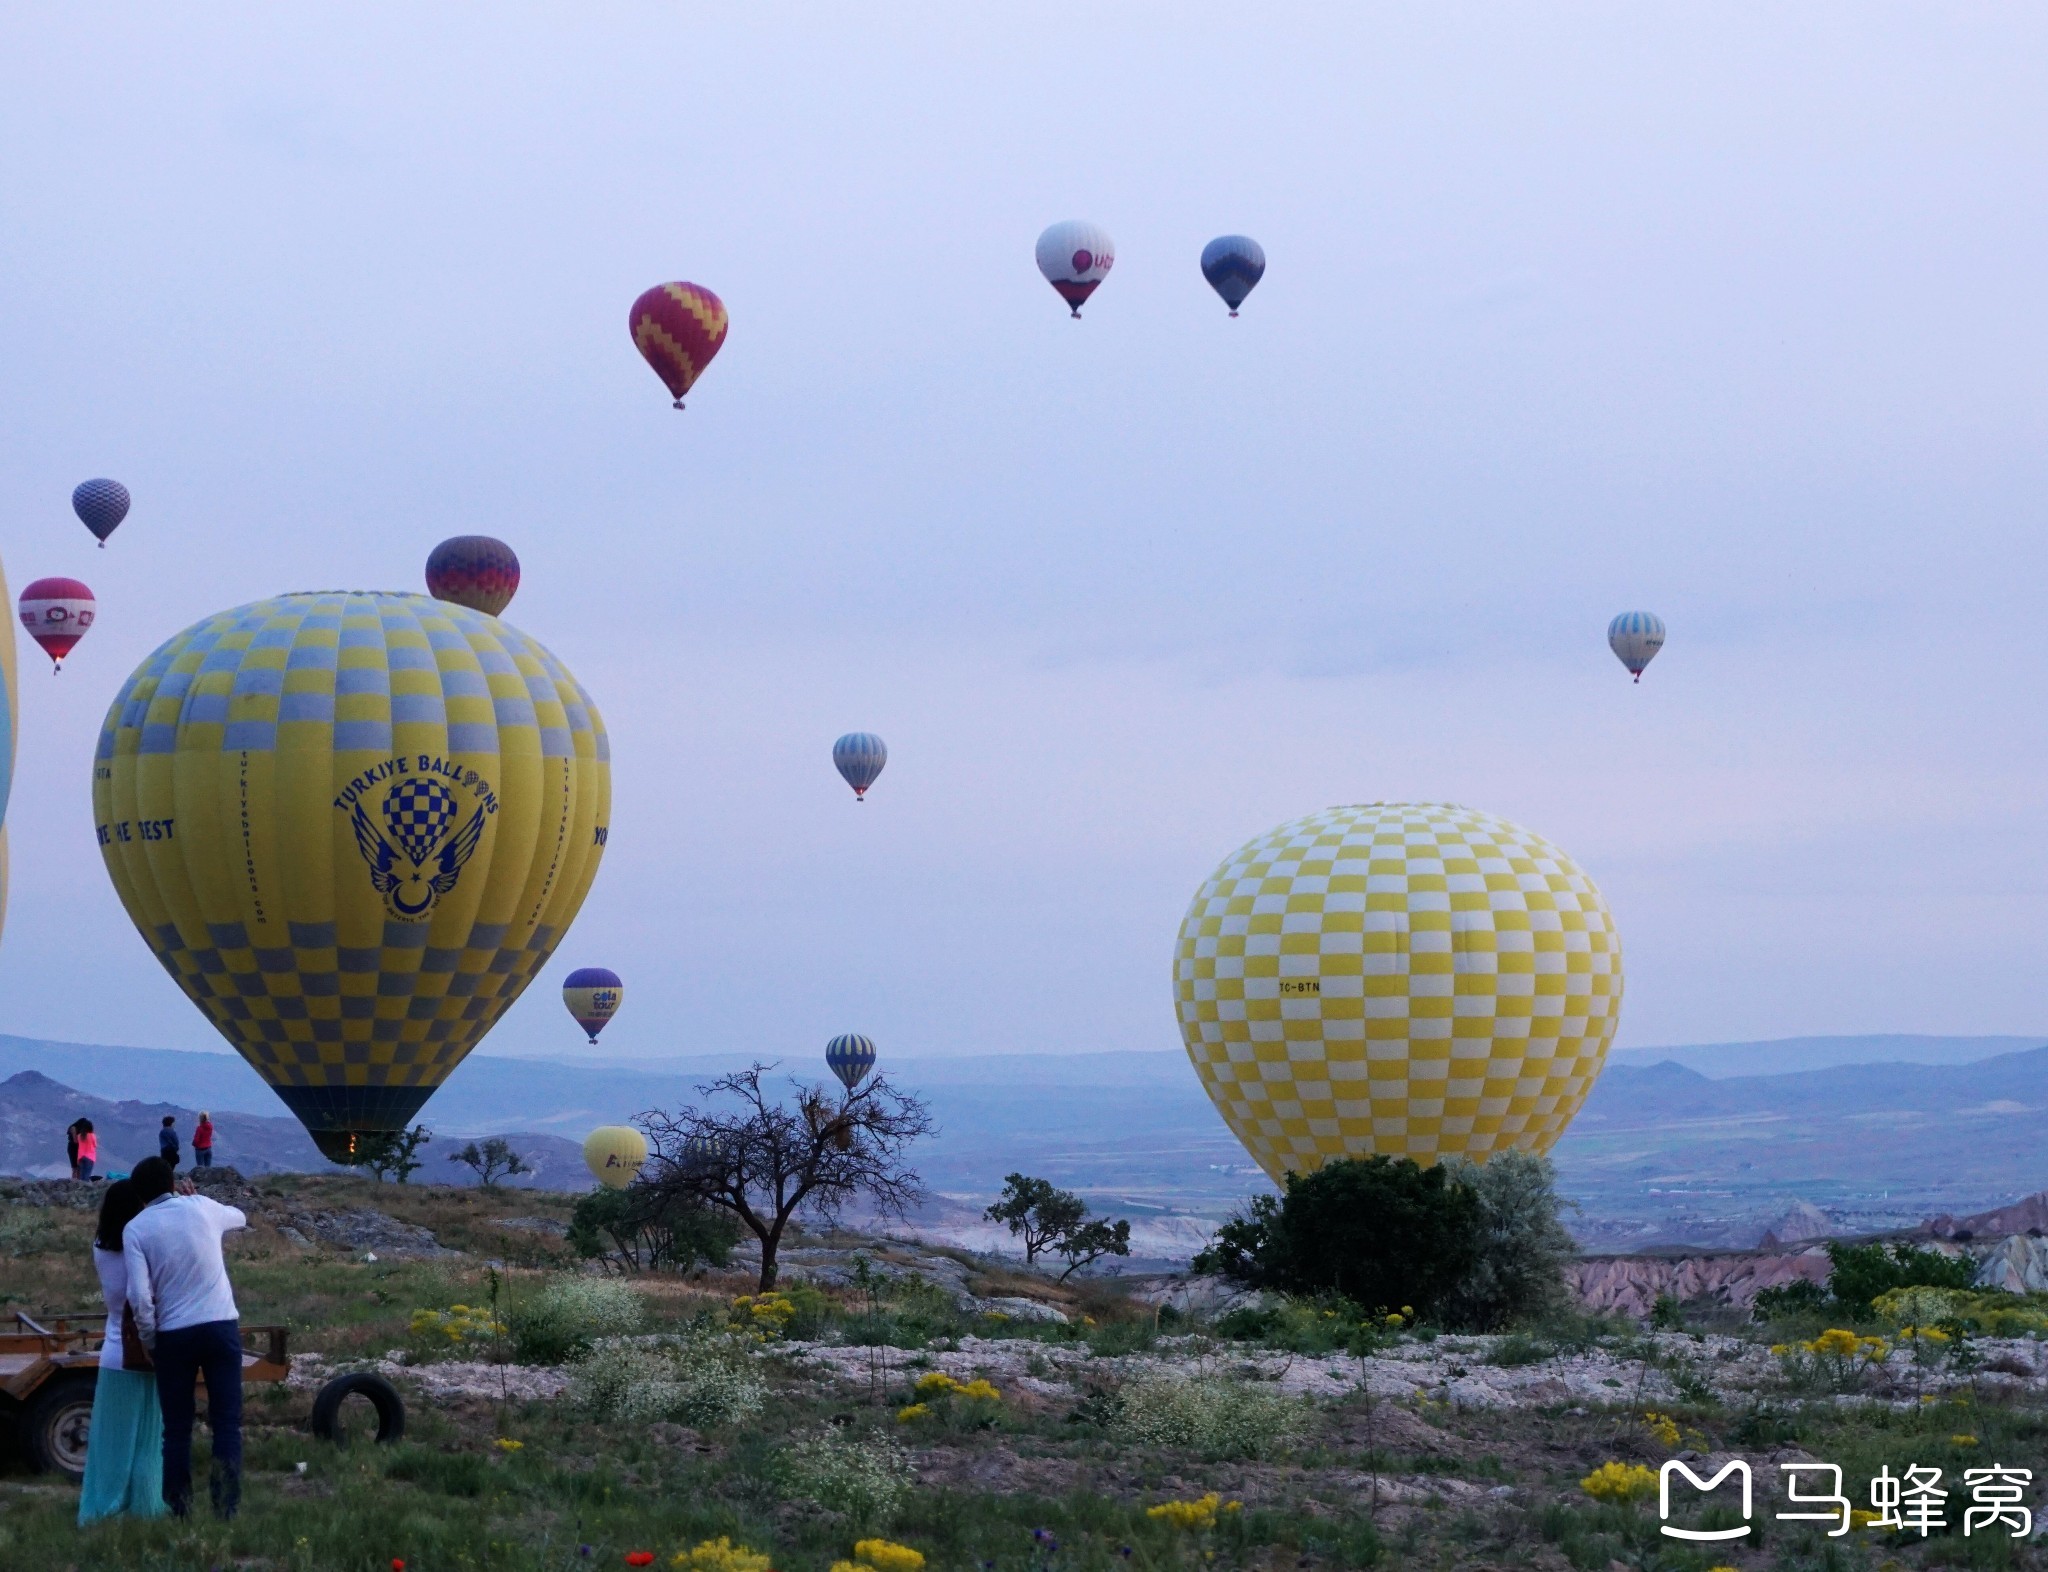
[(71, 1134), (88, 1148), (167, 1141), (202, 1141), (186, 1317)]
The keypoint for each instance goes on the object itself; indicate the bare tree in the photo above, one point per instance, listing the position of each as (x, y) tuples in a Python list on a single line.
[(764, 1160)]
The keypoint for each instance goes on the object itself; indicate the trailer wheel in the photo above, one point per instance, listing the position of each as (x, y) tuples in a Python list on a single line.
[(382, 1396), (60, 1424)]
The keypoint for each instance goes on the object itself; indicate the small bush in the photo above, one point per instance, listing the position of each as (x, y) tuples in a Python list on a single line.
[(1518, 1273), (1209, 1414), (702, 1380), (1620, 1482), (1798, 1300), (26, 1231), (864, 1478), (571, 1314), (721, 1555)]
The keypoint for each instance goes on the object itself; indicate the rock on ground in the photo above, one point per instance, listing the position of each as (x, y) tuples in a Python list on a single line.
[(455, 1378)]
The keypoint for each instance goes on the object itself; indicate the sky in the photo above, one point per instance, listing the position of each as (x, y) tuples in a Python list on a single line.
[(1730, 313)]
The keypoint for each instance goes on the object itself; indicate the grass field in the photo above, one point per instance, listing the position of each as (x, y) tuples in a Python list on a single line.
[(1057, 1471)]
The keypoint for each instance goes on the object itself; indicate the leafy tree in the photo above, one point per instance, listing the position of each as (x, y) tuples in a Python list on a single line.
[(492, 1160), (392, 1153), (1037, 1213), (764, 1159), (1052, 1220), (1381, 1231), (1862, 1272), (1093, 1240), (1524, 1248), (641, 1228)]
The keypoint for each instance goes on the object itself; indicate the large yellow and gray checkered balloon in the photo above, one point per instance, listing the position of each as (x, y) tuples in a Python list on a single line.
[(1401, 979), (352, 827)]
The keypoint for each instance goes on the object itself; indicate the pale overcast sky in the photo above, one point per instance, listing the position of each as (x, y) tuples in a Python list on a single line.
[(1733, 313)]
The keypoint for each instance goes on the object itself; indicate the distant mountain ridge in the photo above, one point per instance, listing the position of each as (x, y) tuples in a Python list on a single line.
[(1791, 1055), (35, 1109)]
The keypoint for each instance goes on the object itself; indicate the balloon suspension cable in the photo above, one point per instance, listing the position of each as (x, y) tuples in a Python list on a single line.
[(1638, 677), (1077, 313)]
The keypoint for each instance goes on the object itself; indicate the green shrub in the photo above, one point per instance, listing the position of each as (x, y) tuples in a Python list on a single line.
[(1299, 1326), (1380, 1231), (26, 1231), (862, 1477), (1524, 1249), (644, 1229), (1210, 1414), (569, 1315), (1798, 1300), (702, 1379), (1862, 1272)]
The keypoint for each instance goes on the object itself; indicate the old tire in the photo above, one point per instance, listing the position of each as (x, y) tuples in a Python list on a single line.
[(383, 1397), (59, 1423)]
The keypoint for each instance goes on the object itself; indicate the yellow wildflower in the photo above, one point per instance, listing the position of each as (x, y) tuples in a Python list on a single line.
[(980, 1388), (1835, 1342), (885, 1556), (1619, 1482), (1781, 1349), (936, 1381), (506, 1444), (1663, 1429), (721, 1555), (1190, 1516), (1962, 1440), (913, 1411)]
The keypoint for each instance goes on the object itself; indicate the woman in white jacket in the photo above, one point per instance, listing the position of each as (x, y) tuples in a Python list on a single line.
[(124, 1455)]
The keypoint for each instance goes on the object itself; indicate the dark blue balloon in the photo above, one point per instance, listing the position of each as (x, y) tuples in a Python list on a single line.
[(100, 506), (1233, 264)]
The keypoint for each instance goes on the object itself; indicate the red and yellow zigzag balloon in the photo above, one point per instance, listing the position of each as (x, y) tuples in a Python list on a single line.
[(678, 328)]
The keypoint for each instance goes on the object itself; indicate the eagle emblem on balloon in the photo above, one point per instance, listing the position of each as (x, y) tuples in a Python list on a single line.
[(418, 861)]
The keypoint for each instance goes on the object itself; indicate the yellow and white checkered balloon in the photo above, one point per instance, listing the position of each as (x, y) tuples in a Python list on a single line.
[(1402, 979)]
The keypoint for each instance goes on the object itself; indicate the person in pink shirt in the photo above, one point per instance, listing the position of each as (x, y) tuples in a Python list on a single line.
[(88, 1148)]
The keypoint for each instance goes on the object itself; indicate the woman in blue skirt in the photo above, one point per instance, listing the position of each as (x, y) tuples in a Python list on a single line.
[(124, 1455)]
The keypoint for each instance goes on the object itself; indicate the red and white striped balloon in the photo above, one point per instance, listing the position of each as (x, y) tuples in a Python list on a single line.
[(57, 613)]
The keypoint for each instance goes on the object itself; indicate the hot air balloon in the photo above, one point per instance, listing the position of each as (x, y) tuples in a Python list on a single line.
[(593, 995), (352, 827), (850, 1056), (10, 706), (474, 571), (1075, 257), (614, 1153), (1403, 979), (1233, 265), (860, 756), (1635, 637), (57, 613), (677, 328), (100, 506)]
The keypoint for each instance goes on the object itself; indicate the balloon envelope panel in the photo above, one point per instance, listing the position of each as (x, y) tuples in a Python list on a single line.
[(613, 1153), (352, 827), (1635, 637), (1401, 979), (850, 1056)]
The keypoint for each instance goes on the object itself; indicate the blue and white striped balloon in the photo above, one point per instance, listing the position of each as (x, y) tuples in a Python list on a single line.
[(1635, 637), (850, 1056), (1233, 265), (860, 756)]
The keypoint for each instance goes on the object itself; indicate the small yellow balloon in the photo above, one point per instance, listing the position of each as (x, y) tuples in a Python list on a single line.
[(614, 1153), (1401, 979)]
